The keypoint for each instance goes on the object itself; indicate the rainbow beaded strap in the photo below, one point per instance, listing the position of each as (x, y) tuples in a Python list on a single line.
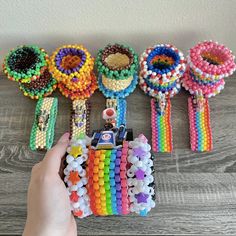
[(208, 64), (80, 114), (42, 133), (161, 68)]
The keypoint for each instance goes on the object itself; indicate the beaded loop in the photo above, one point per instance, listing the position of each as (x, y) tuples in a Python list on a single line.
[(161, 68), (72, 66), (208, 64), (28, 65), (42, 133)]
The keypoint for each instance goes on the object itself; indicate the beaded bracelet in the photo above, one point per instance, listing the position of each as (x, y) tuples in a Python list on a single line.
[(208, 64), (117, 67), (28, 65), (161, 68), (42, 133), (76, 179), (72, 67), (140, 179)]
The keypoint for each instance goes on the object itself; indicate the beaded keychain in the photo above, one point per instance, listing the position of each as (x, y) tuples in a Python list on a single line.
[(117, 66), (208, 64), (72, 66), (161, 68), (28, 65)]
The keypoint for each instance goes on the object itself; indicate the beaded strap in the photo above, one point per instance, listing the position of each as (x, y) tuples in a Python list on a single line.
[(161, 128), (80, 118), (200, 127), (76, 179), (120, 106), (42, 133), (140, 179)]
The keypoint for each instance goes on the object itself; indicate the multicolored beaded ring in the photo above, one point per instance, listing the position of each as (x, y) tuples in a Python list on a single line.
[(208, 64), (161, 68), (28, 65), (117, 66)]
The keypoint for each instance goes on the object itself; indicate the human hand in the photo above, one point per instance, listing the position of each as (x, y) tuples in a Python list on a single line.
[(49, 210)]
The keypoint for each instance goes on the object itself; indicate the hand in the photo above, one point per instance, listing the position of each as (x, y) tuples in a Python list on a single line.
[(49, 210)]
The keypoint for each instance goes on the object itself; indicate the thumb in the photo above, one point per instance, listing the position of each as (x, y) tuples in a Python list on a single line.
[(52, 159)]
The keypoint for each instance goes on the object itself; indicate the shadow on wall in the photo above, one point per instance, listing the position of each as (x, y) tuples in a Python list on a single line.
[(182, 40)]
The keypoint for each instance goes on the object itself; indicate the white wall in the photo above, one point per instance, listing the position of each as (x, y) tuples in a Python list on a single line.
[(94, 23)]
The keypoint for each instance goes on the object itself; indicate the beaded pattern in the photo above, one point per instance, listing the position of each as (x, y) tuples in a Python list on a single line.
[(161, 128), (119, 105), (200, 127), (208, 64), (161, 68), (79, 118), (76, 179), (28, 65), (140, 179), (42, 133), (72, 66)]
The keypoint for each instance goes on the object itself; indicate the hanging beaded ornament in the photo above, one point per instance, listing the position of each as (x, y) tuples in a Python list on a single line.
[(110, 174), (161, 68), (117, 66), (28, 65), (72, 66), (208, 64)]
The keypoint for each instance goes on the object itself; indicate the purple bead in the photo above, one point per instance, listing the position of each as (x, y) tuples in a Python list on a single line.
[(119, 209), (117, 170), (118, 196), (117, 162), (119, 153), (75, 79), (118, 187), (117, 179)]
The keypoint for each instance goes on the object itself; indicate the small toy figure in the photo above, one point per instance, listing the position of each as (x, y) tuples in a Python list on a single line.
[(109, 116), (161, 104), (43, 120), (79, 115), (199, 101)]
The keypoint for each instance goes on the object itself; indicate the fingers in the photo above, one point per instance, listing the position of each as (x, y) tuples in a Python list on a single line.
[(52, 159)]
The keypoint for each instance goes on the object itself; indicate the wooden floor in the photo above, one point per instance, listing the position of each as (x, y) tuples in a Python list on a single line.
[(196, 191)]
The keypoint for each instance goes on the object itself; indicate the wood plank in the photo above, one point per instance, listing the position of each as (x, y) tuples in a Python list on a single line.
[(198, 203)]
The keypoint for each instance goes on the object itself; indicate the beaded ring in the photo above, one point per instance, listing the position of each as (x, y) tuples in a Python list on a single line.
[(28, 65), (117, 67), (161, 68), (208, 64), (72, 66), (42, 133)]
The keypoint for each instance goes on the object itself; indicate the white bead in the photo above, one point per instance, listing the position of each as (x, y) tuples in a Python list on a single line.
[(69, 159)]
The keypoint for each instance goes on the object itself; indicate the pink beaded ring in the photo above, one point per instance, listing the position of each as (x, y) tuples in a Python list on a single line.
[(208, 64)]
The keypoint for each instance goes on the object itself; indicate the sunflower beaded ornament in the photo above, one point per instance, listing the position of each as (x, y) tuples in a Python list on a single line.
[(117, 67), (208, 64), (28, 65), (161, 68), (72, 66)]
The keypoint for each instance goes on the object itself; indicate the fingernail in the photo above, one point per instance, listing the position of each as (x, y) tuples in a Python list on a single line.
[(64, 137)]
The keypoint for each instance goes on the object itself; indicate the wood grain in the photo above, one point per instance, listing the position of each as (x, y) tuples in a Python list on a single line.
[(196, 191)]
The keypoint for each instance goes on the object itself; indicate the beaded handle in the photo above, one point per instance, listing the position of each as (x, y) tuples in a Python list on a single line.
[(42, 133)]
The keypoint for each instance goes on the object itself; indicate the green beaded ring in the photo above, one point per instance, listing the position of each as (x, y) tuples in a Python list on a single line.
[(42, 133), (126, 63), (25, 63)]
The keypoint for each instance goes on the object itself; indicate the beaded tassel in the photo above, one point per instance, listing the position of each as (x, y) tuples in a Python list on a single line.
[(161, 128), (200, 127)]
